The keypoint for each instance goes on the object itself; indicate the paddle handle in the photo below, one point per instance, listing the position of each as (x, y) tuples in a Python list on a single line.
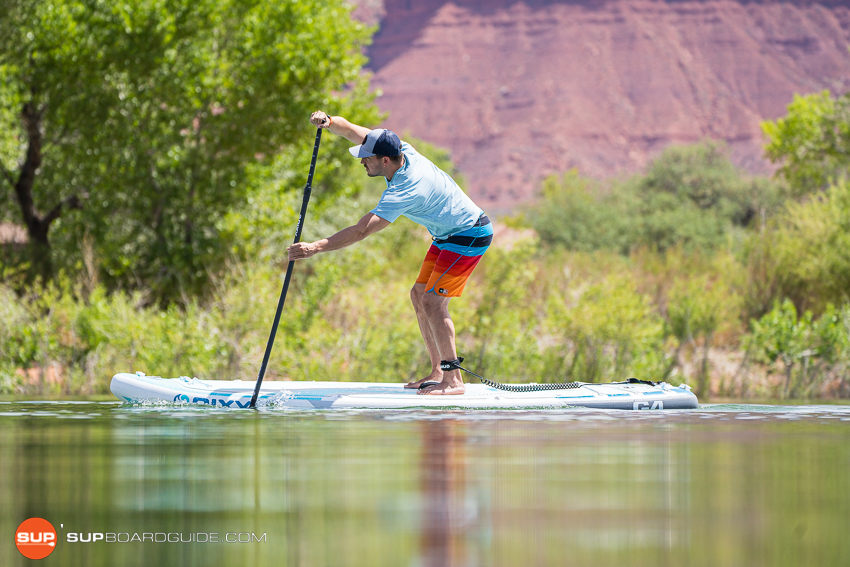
[(298, 228)]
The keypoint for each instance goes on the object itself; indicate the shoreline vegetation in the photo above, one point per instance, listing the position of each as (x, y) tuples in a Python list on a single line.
[(171, 190), (532, 313)]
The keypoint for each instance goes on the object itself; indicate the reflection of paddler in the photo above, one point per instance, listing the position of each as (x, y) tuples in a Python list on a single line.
[(443, 491)]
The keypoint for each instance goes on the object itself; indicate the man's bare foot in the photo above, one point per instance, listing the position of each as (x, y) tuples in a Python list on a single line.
[(436, 376), (451, 387)]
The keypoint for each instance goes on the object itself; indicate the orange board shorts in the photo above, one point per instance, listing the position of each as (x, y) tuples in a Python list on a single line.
[(450, 261)]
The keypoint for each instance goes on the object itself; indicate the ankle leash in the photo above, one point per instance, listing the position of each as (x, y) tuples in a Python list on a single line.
[(447, 365)]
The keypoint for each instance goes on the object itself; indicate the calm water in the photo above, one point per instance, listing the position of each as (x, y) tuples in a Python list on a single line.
[(723, 485)]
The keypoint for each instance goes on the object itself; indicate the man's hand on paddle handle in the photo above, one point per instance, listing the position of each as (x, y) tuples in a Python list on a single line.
[(302, 250), (339, 126), (320, 119)]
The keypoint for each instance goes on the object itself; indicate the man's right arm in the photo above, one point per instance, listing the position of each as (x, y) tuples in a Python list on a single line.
[(369, 224), (339, 126)]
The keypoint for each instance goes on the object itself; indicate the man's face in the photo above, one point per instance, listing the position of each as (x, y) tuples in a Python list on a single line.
[(374, 166)]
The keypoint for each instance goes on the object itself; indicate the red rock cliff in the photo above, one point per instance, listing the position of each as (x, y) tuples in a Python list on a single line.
[(518, 90)]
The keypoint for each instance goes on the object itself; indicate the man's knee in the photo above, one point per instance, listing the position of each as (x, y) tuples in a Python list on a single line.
[(433, 303), (416, 293)]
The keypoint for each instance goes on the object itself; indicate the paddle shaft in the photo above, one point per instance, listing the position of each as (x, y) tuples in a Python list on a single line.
[(307, 190)]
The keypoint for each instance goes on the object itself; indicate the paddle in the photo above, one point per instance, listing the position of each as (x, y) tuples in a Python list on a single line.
[(307, 190)]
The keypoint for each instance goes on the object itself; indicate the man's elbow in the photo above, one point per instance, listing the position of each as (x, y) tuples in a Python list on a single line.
[(365, 229), (362, 232)]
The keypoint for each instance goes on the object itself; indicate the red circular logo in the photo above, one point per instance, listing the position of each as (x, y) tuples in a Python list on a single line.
[(35, 538)]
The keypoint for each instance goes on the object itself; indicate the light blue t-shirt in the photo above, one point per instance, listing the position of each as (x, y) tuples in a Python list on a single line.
[(427, 195)]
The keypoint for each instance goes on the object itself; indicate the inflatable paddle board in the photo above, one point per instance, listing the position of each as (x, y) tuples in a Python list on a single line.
[(367, 395)]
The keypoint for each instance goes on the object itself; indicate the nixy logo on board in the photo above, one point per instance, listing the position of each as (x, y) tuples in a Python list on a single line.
[(35, 538), (211, 401)]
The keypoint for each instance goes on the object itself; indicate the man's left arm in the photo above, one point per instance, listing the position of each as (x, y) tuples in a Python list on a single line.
[(369, 224)]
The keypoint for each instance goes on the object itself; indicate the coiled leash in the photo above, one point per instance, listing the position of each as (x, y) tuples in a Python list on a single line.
[(446, 365)]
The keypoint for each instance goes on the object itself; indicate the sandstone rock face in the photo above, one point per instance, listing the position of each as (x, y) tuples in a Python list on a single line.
[(521, 89)]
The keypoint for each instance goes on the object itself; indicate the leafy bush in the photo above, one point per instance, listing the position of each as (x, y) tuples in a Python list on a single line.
[(575, 213), (690, 196), (808, 348), (803, 255), (813, 242), (605, 330)]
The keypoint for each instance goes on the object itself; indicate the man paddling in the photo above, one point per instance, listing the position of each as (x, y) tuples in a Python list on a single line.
[(425, 194)]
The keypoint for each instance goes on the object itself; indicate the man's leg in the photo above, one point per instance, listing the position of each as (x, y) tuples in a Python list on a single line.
[(443, 275), (436, 311), (416, 295)]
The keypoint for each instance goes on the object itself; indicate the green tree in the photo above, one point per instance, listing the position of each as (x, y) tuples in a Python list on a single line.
[(146, 114), (693, 196), (812, 142)]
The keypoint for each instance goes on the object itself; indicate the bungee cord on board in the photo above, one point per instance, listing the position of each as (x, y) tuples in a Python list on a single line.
[(446, 365)]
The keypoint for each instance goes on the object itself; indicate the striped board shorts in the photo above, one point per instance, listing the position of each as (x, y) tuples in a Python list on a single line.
[(450, 261)]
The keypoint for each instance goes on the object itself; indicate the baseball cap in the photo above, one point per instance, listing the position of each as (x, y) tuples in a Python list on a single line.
[(379, 141)]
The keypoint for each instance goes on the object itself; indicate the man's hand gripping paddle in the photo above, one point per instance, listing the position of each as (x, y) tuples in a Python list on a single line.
[(307, 190)]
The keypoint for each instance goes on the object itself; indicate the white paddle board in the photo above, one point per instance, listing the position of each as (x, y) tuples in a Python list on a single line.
[(237, 394)]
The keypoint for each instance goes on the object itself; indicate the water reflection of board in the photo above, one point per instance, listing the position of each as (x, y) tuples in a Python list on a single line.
[(324, 395)]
